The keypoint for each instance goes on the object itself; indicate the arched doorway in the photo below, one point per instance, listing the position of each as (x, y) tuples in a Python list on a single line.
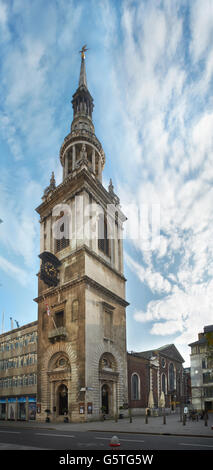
[(105, 399), (62, 399)]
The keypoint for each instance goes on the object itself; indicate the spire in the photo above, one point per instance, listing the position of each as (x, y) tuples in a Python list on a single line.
[(83, 77), (82, 101)]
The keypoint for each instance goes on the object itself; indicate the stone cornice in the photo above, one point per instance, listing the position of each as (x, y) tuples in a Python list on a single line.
[(92, 186), (83, 280), (16, 330)]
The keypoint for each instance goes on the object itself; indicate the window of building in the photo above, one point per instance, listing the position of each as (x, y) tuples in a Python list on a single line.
[(59, 318), (163, 383), (208, 392), (135, 387), (103, 242), (108, 324), (62, 242), (207, 377), (171, 376)]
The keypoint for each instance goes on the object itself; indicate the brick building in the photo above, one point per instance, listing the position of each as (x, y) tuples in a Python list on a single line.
[(152, 372)]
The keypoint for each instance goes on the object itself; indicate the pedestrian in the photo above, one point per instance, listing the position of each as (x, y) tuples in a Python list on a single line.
[(185, 412)]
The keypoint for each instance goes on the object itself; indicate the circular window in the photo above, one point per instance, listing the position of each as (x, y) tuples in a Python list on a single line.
[(62, 362)]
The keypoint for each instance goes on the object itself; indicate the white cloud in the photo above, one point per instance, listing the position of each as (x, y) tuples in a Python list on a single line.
[(19, 274), (201, 27), (170, 107), (3, 14), (20, 229), (153, 279)]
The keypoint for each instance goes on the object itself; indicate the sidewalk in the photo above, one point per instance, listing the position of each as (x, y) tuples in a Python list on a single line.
[(155, 425)]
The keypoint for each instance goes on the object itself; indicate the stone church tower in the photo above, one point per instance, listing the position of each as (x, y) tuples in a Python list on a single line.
[(82, 364)]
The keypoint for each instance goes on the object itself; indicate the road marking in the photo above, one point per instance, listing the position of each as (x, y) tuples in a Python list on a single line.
[(54, 435), (195, 445), (11, 432), (124, 440)]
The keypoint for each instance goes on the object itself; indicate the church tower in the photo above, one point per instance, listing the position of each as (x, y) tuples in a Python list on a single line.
[(82, 364)]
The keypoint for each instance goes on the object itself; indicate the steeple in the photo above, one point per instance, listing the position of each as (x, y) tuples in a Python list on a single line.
[(82, 101), (81, 146)]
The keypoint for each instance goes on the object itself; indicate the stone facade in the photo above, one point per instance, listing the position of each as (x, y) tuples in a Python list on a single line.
[(82, 367), (202, 370)]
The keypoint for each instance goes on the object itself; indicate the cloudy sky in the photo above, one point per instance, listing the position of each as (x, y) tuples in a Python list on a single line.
[(150, 72)]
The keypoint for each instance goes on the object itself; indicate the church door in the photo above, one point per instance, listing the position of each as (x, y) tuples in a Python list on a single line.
[(105, 399), (63, 399)]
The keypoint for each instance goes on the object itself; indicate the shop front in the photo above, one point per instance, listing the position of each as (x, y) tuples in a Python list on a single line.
[(32, 408), (11, 409), (22, 408), (2, 408)]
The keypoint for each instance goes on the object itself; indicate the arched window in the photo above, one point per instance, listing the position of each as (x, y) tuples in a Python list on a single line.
[(107, 361), (171, 376), (135, 387), (163, 383)]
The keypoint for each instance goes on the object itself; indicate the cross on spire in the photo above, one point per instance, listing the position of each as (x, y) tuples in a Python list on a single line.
[(83, 77)]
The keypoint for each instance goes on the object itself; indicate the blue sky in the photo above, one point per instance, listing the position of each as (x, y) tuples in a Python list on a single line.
[(149, 70)]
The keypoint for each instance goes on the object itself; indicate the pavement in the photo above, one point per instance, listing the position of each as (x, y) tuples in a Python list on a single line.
[(155, 425)]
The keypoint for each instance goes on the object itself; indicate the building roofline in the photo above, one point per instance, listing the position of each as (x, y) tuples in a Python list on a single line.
[(15, 330)]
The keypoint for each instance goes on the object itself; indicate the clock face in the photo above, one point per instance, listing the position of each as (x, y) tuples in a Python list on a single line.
[(50, 269)]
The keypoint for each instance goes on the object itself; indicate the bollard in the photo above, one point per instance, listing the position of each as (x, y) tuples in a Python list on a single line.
[(184, 420), (114, 442), (164, 419), (130, 415), (146, 419)]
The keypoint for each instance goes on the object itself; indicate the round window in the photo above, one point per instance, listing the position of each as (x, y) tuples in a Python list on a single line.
[(62, 362)]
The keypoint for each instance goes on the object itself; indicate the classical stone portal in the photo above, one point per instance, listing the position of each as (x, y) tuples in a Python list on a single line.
[(82, 365)]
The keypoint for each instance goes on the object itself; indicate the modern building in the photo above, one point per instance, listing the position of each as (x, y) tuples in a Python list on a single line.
[(152, 372), (18, 373), (202, 370)]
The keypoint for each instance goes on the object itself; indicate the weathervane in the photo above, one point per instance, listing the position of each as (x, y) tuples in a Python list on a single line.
[(83, 50)]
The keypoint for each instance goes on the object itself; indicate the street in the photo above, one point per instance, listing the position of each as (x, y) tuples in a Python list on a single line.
[(26, 438)]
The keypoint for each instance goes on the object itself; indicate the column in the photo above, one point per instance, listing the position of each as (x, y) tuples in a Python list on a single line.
[(93, 160), (52, 401), (120, 248), (66, 166), (99, 170), (73, 157)]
